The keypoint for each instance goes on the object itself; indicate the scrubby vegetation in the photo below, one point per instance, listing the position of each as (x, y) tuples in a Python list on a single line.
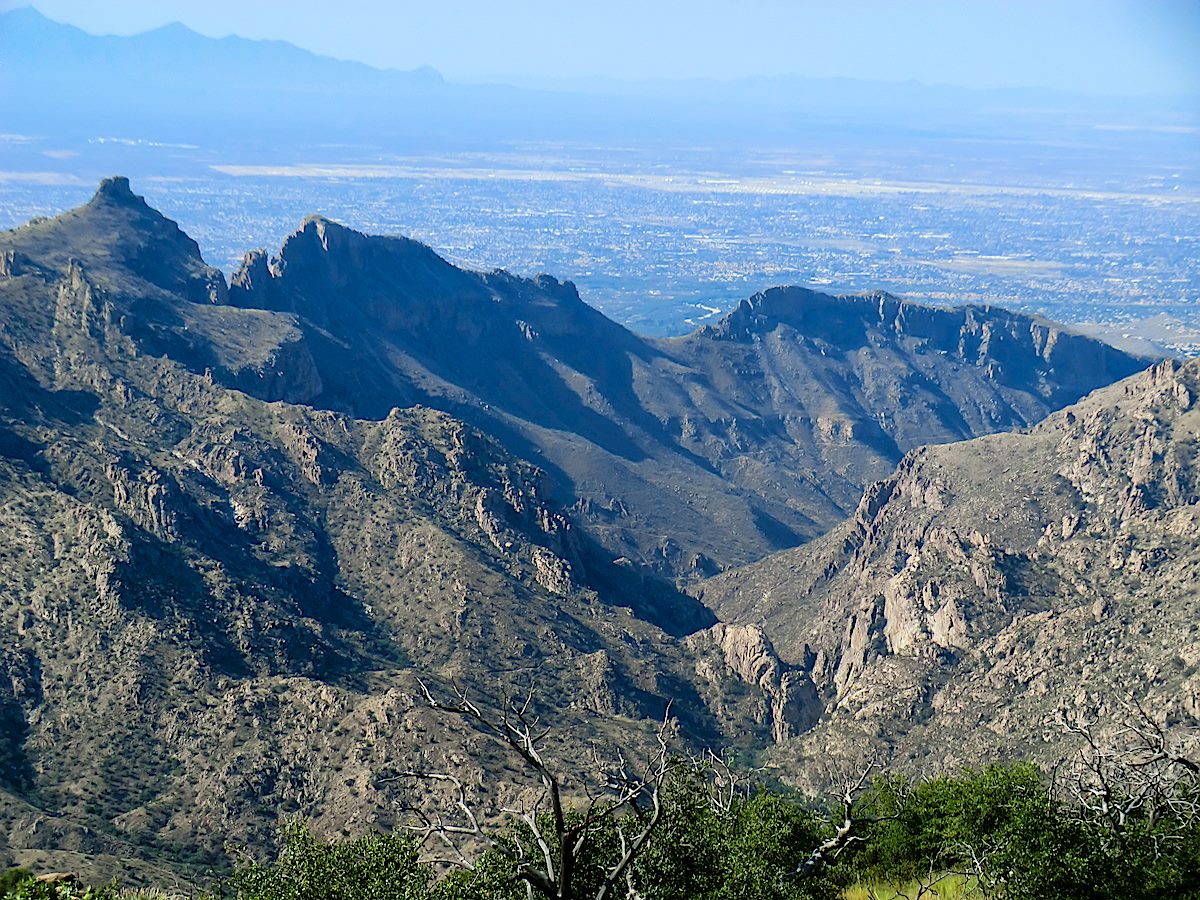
[(18, 884), (1004, 828), (1002, 833), (366, 868)]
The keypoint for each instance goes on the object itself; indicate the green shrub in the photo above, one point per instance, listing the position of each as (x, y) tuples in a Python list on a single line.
[(10, 878), (26, 887), (375, 867), (747, 850), (1004, 823)]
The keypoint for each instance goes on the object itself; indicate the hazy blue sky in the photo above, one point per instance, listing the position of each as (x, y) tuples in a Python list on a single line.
[(1097, 46)]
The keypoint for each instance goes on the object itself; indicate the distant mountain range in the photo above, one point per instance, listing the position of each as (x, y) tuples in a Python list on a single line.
[(30, 40), (62, 81), (66, 81)]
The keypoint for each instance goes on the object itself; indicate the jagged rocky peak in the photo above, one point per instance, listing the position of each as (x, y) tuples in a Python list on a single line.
[(250, 285), (116, 205), (847, 319), (118, 234), (323, 254), (159, 250), (1014, 350), (327, 233), (564, 291), (325, 244), (115, 189), (396, 281), (853, 321), (796, 305)]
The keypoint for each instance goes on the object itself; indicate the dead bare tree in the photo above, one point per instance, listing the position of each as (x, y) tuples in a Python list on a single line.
[(726, 783), (846, 831), (621, 794), (1135, 771)]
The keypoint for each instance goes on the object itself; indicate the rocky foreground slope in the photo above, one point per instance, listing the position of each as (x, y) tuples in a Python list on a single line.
[(213, 607), (239, 518), (990, 589)]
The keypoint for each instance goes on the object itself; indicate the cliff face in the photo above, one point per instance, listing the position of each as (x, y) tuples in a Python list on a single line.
[(988, 588), (1017, 353)]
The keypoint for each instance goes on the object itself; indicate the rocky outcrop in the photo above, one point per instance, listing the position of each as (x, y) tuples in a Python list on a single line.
[(145, 498), (288, 373), (988, 586), (1124, 458), (156, 249), (790, 704)]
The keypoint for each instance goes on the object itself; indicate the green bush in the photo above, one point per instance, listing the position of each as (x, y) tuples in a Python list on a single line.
[(937, 824), (17, 884), (10, 878), (375, 867), (1025, 843)]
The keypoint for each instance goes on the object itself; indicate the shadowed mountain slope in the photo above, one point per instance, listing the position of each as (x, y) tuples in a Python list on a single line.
[(687, 454)]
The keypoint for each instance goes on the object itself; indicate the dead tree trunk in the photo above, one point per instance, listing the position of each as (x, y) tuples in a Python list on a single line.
[(619, 796)]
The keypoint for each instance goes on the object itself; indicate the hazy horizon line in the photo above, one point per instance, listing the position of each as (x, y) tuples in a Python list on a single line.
[(595, 83)]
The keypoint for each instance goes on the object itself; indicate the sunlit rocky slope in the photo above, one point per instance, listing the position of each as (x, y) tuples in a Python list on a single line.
[(990, 590)]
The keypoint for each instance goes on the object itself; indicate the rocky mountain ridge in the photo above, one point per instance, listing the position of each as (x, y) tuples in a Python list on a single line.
[(213, 607), (241, 517), (686, 455)]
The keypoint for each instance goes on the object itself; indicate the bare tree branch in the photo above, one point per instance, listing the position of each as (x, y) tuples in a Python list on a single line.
[(845, 832), (1137, 774), (628, 796)]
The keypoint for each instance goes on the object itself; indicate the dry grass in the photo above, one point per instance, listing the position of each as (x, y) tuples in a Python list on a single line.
[(946, 887)]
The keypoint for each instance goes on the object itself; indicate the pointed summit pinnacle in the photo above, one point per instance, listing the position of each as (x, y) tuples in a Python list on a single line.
[(116, 189)]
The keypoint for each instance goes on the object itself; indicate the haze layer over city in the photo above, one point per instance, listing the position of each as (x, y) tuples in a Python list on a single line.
[(666, 188)]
